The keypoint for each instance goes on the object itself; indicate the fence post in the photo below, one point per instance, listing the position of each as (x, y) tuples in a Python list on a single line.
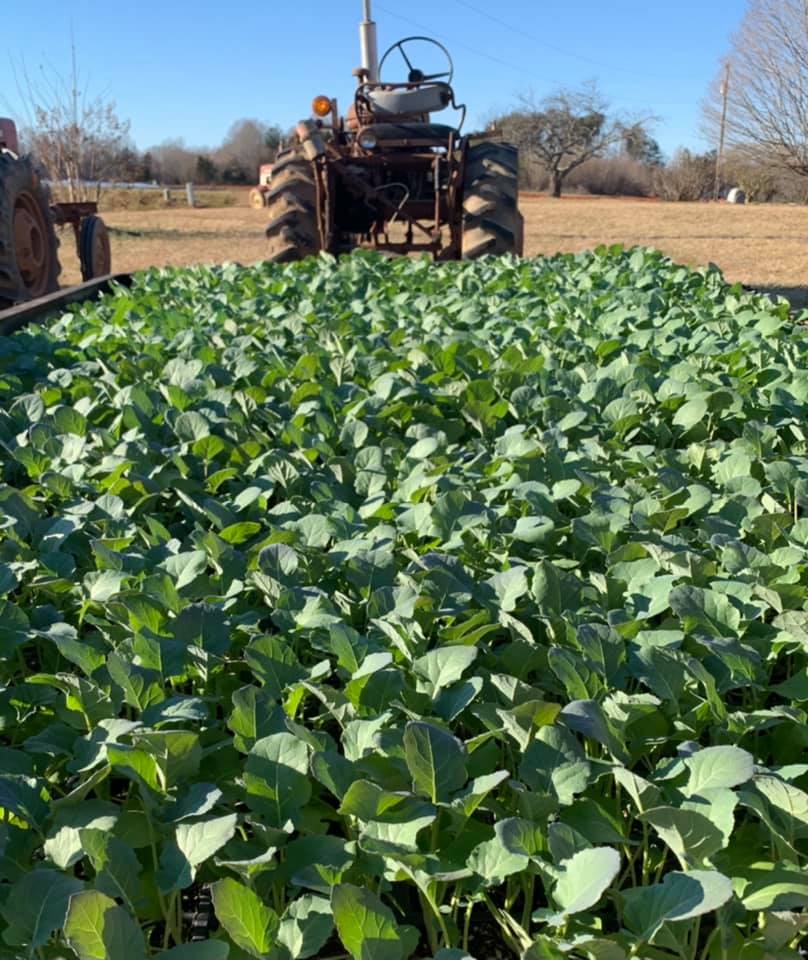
[(166, 195), (191, 194)]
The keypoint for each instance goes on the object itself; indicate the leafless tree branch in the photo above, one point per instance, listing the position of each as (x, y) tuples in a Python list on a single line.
[(77, 136), (767, 112), (565, 130)]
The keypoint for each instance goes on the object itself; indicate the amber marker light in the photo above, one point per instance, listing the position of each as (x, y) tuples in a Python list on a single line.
[(321, 106)]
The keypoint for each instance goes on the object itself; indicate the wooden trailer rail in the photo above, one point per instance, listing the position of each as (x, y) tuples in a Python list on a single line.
[(36, 311)]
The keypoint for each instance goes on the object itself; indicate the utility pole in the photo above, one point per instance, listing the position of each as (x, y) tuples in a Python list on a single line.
[(719, 160)]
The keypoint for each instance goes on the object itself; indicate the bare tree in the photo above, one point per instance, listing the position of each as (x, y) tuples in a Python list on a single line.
[(173, 162), (689, 176), (248, 144), (78, 137), (767, 94), (565, 130)]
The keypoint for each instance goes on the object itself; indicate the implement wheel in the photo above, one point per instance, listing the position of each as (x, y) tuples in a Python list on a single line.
[(293, 232), (29, 264), (94, 250), (257, 199), (492, 223)]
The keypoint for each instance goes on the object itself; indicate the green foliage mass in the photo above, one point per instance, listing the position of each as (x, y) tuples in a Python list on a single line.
[(391, 610)]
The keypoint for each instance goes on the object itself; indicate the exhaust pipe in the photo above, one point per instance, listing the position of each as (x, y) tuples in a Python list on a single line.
[(369, 45)]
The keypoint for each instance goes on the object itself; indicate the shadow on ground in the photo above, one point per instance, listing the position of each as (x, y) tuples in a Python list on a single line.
[(796, 296)]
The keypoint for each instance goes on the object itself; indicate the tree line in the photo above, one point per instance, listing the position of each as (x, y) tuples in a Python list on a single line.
[(99, 148)]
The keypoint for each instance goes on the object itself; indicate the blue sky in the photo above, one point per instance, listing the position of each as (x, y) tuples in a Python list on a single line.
[(186, 69)]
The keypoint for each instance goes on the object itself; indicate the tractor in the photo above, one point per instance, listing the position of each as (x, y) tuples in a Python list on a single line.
[(258, 195), (29, 261), (388, 176)]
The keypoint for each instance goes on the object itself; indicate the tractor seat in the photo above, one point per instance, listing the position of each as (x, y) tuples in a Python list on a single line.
[(410, 134), (404, 101)]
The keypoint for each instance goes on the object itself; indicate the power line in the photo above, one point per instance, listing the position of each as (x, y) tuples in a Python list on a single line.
[(551, 46), (509, 64), (464, 46)]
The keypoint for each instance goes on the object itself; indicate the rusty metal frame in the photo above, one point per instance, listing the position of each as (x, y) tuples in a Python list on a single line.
[(74, 214), (335, 163)]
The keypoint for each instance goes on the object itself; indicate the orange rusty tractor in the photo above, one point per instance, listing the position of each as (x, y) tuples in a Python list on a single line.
[(389, 175), (29, 261), (258, 195)]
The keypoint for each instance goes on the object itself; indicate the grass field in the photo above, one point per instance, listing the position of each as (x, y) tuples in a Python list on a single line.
[(763, 246)]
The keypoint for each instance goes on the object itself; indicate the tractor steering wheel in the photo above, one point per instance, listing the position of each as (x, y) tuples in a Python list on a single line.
[(415, 75)]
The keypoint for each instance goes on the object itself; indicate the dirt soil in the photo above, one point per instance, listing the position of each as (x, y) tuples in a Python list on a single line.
[(763, 246)]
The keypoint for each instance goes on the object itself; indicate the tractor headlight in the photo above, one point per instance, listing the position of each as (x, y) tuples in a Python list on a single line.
[(321, 106), (368, 140)]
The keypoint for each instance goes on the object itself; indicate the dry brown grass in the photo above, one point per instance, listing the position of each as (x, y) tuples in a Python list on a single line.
[(123, 199), (762, 246)]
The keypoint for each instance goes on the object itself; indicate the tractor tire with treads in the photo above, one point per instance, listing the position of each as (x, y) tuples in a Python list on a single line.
[(293, 231), (492, 223), (29, 261), (95, 254)]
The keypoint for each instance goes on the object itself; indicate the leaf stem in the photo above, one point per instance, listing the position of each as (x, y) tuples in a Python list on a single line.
[(695, 931), (527, 909), (156, 863), (431, 933), (447, 940), (467, 925)]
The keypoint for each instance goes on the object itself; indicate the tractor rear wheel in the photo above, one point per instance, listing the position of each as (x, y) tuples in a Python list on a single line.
[(492, 223), (95, 254), (293, 230), (29, 264)]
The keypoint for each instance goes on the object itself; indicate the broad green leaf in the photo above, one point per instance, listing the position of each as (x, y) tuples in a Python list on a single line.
[(705, 610), (276, 778), (184, 568), (116, 865), (104, 585), (587, 717), (436, 760), (36, 906), (98, 929), (716, 767), (365, 925), (251, 925), (680, 896), (643, 793), (64, 846), (691, 413), (769, 886), (494, 862), (306, 926), (369, 802), (789, 801), (237, 533), (318, 862), (191, 426), (199, 841), (584, 879), (690, 835), (177, 753), (444, 666)]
